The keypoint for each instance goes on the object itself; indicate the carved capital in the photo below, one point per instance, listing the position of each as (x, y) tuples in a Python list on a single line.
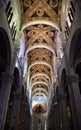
[(71, 79)]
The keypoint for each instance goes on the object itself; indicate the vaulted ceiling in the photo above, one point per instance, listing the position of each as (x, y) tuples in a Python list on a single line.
[(41, 9), (40, 26)]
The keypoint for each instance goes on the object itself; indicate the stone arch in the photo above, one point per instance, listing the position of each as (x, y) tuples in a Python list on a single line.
[(15, 83), (75, 48), (16, 80), (78, 71), (66, 96), (75, 55), (64, 85), (63, 79), (5, 52), (57, 91), (14, 94)]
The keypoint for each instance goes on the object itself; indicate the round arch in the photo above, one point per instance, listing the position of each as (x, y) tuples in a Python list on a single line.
[(41, 21), (66, 93), (5, 52), (11, 104), (16, 76), (63, 79), (16, 82), (75, 54), (75, 51)]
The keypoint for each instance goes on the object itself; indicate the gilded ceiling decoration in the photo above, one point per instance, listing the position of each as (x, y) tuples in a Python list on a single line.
[(40, 52), (40, 47), (40, 69), (40, 35), (40, 78), (45, 9), (40, 55), (40, 90), (40, 86)]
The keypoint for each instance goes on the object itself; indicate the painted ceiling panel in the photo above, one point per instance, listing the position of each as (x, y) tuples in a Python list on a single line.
[(40, 47)]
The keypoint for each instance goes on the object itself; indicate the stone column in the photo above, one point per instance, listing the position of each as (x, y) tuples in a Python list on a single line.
[(53, 122), (5, 88), (63, 112), (56, 120), (75, 99), (16, 109)]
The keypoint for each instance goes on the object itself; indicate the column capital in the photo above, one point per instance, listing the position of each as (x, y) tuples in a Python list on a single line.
[(71, 79)]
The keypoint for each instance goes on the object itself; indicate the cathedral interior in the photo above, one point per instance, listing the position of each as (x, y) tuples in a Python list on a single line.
[(40, 65)]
